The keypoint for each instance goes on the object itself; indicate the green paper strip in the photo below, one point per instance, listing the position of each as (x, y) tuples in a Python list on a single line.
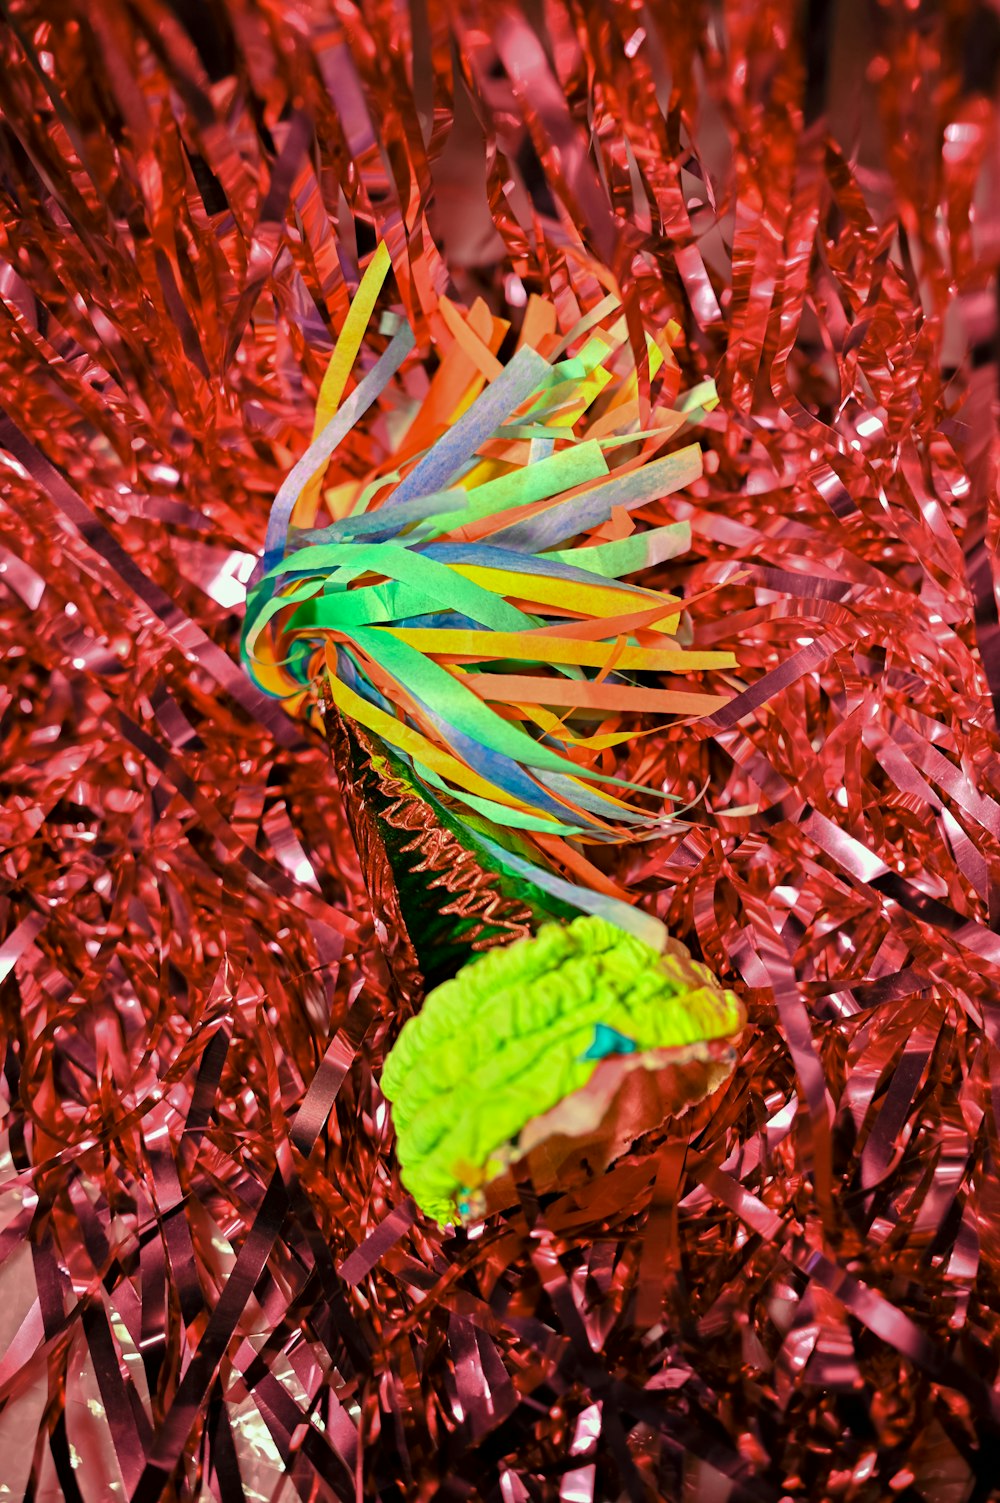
[(497, 813), (451, 591), (530, 483), (628, 555)]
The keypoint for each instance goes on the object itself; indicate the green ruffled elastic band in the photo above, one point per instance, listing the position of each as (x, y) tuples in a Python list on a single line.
[(522, 1027)]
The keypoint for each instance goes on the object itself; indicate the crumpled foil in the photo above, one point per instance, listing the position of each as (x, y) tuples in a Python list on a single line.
[(211, 1283)]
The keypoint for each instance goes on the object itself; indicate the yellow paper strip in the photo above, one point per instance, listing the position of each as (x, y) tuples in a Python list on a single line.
[(522, 646), (342, 360), (552, 725), (546, 589)]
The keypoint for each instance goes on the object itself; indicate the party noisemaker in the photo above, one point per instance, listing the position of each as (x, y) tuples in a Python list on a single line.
[(461, 609)]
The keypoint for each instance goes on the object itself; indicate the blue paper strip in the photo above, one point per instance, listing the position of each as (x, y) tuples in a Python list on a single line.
[(633, 920), (486, 556), (455, 448), (379, 523), (567, 519), (357, 404)]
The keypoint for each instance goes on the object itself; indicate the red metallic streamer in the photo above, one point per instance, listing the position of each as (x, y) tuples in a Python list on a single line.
[(212, 1284)]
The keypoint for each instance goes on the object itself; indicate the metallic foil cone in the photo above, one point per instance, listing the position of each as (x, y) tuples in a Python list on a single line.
[(435, 903)]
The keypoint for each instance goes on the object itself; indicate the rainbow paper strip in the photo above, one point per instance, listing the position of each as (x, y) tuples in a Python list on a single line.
[(468, 599)]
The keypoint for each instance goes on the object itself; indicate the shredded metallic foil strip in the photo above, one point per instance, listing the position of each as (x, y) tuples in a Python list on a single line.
[(212, 1285)]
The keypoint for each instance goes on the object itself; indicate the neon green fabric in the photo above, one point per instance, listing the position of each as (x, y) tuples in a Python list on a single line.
[(520, 1028)]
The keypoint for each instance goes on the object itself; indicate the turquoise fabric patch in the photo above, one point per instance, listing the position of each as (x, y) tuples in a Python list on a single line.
[(608, 1041)]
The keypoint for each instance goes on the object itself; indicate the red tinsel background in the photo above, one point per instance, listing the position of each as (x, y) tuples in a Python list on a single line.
[(211, 1283)]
